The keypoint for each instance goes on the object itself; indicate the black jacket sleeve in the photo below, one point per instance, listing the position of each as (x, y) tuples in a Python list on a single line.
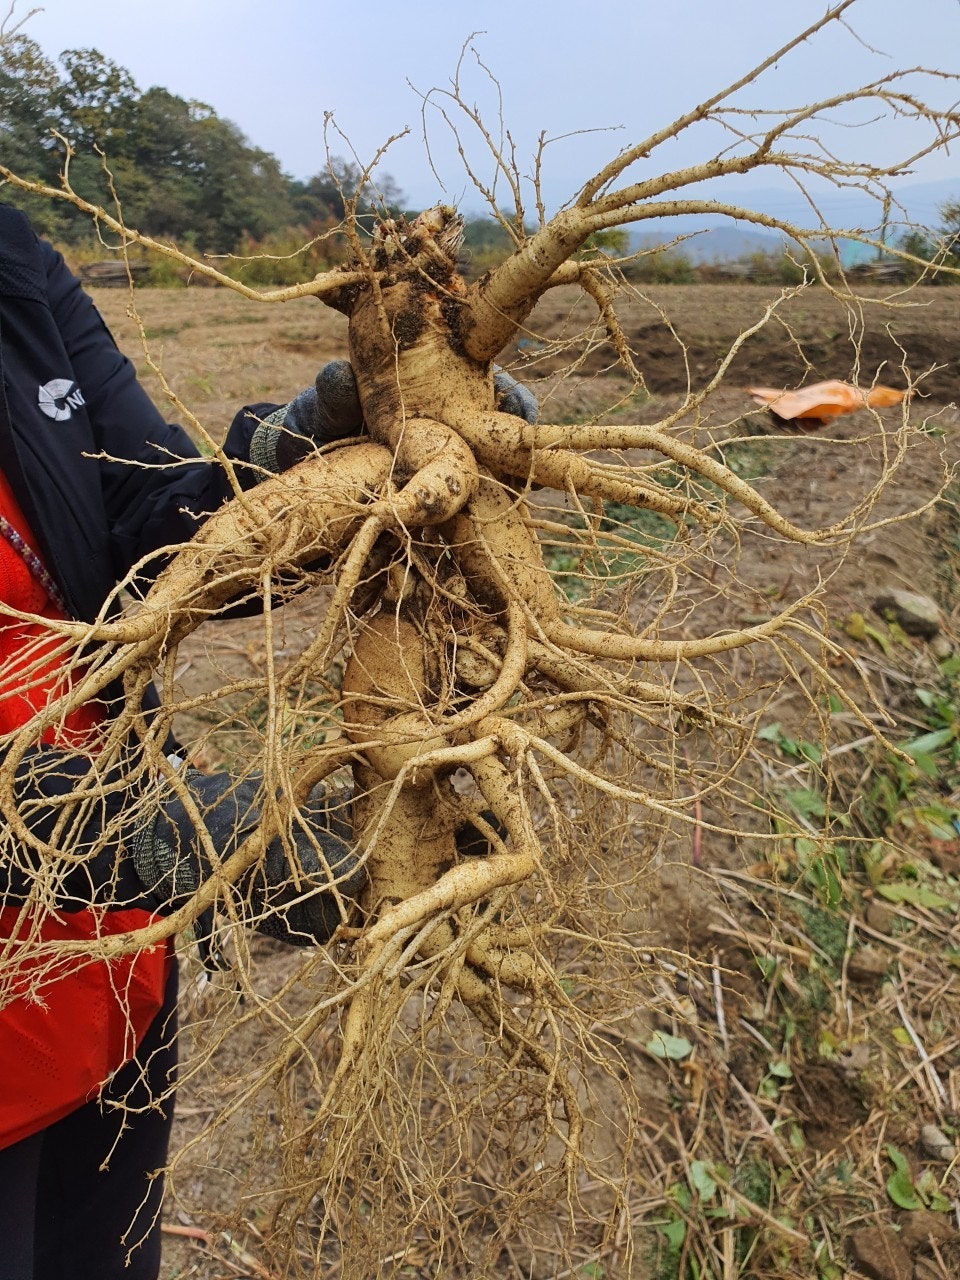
[(157, 489), (153, 490)]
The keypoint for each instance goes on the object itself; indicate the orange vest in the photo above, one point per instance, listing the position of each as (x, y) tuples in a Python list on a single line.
[(61, 1040)]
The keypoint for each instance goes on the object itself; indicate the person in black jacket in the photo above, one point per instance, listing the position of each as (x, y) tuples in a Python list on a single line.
[(86, 492)]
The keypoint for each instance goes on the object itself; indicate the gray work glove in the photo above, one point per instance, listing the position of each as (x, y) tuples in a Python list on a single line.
[(171, 863), (513, 397), (328, 411)]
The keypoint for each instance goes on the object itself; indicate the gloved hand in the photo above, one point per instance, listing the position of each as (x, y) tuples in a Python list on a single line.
[(329, 410), (470, 840), (171, 863), (513, 397)]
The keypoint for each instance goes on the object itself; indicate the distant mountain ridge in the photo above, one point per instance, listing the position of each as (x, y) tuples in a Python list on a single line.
[(711, 238), (712, 242)]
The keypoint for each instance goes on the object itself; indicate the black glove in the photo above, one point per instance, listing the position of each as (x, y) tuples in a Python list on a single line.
[(470, 840), (171, 863), (328, 411)]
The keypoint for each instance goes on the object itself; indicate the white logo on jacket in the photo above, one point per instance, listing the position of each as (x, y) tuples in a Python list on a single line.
[(59, 397)]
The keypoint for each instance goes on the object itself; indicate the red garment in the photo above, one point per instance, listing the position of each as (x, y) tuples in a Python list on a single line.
[(86, 1021), (61, 1042), (22, 643)]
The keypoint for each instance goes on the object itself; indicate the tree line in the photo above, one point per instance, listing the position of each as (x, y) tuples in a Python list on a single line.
[(182, 172), (939, 248), (179, 169)]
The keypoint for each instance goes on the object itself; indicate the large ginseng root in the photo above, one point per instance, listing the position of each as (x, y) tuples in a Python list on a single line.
[(402, 711), (463, 655), (467, 615)]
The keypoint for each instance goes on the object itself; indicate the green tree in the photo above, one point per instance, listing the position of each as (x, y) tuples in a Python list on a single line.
[(178, 169), (97, 102), (323, 198), (615, 242), (28, 85), (163, 149), (235, 188), (949, 232), (939, 248)]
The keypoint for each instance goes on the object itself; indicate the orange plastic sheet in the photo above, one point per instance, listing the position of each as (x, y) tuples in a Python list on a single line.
[(823, 400)]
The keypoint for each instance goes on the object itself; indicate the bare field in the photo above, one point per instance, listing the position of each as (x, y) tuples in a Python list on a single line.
[(220, 350), (817, 993), (680, 333)]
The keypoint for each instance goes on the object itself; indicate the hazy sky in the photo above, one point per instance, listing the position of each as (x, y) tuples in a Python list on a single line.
[(619, 70)]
